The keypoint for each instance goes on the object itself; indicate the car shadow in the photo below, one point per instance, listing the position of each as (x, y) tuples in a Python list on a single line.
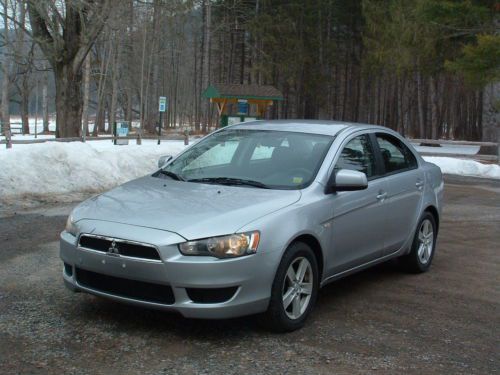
[(139, 320), (353, 284)]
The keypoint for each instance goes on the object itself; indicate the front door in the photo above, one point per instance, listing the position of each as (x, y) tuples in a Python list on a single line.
[(358, 216)]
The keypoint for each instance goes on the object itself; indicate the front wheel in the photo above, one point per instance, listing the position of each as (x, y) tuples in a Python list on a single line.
[(294, 290)]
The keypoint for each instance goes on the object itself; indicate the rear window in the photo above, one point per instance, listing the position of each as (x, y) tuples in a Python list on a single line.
[(396, 156)]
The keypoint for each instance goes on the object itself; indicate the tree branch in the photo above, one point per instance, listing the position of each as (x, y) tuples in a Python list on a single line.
[(41, 33), (19, 24), (91, 31)]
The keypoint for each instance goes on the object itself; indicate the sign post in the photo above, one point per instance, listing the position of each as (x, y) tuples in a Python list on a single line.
[(162, 107)]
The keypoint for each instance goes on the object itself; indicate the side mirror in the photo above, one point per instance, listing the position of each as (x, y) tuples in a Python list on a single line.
[(164, 160), (346, 180)]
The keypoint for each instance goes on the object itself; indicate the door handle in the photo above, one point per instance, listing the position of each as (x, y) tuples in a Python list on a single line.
[(419, 184), (381, 196)]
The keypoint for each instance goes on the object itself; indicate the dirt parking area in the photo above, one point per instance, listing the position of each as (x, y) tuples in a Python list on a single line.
[(380, 321)]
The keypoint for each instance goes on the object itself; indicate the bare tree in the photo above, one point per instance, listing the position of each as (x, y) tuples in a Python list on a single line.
[(24, 53), (65, 31)]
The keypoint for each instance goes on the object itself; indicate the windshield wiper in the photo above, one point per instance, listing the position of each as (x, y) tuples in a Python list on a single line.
[(230, 181), (173, 175)]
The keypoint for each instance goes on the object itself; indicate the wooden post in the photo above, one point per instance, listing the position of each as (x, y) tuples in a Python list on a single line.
[(138, 140), (8, 135)]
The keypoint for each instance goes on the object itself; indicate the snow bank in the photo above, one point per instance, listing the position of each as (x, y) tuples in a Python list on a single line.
[(63, 172), (465, 167), (448, 149)]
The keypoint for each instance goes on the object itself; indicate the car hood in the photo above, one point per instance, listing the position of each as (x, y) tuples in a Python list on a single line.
[(192, 210)]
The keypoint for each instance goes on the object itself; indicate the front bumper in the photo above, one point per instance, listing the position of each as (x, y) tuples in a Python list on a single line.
[(250, 277)]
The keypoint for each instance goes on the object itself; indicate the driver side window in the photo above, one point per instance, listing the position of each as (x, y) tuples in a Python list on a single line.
[(358, 155)]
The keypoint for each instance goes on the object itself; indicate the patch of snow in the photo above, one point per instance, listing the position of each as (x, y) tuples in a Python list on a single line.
[(16, 124), (465, 167), (64, 172)]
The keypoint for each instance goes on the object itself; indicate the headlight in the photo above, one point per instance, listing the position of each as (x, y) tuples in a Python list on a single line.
[(234, 245), (71, 226)]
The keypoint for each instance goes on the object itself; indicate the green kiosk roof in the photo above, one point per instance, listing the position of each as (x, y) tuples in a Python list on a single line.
[(232, 91)]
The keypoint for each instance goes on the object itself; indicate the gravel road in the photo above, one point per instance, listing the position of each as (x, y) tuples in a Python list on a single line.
[(380, 321)]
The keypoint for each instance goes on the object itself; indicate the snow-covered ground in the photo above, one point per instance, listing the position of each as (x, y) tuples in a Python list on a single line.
[(64, 172), (36, 126)]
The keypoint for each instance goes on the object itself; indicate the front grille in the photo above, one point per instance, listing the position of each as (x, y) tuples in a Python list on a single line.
[(122, 247), (138, 290), (211, 295)]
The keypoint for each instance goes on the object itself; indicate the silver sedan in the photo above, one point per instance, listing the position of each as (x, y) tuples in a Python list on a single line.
[(255, 218)]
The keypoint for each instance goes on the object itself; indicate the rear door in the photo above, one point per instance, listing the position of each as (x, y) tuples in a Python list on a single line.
[(404, 184)]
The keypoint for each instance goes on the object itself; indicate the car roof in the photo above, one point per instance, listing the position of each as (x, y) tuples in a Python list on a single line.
[(304, 126)]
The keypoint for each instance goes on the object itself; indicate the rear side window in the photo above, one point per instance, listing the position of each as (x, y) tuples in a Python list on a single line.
[(358, 155), (395, 155)]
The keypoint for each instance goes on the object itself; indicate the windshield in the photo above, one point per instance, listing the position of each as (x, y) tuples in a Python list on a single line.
[(259, 158)]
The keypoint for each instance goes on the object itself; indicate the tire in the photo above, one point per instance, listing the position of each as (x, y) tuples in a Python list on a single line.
[(419, 260), (281, 319)]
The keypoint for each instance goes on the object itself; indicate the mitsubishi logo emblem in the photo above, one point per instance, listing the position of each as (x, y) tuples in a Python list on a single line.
[(113, 249)]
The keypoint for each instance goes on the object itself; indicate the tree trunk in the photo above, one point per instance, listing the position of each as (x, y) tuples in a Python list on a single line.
[(114, 86), (435, 108), (45, 102), (420, 105), (86, 94), (99, 119), (206, 61), (24, 109), (102, 121), (101, 92), (69, 101), (6, 80)]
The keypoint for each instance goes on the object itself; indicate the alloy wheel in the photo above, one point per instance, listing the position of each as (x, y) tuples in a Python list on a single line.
[(426, 241), (297, 288)]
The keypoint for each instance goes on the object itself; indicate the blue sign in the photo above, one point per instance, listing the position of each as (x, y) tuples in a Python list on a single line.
[(122, 129), (242, 107), (163, 104)]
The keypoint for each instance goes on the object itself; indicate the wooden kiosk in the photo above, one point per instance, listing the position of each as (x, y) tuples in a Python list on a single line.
[(239, 103)]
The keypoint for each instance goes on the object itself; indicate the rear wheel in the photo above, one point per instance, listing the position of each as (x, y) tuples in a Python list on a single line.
[(294, 290), (422, 251)]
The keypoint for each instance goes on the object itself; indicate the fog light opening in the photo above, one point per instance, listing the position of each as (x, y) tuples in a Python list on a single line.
[(68, 269)]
